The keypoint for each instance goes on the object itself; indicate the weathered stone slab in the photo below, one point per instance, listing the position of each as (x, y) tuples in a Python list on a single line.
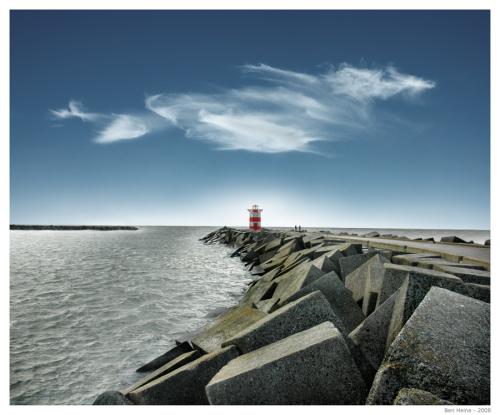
[(324, 264), (356, 280), (112, 398), (475, 276), (412, 259), (477, 291), (432, 263), (310, 367), (373, 285), (394, 276), (370, 337), (299, 315), (452, 239), (226, 326), (413, 290), (349, 263), (267, 305), (289, 284), (186, 385), (412, 396), (339, 297), (177, 351), (444, 347), (166, 368)]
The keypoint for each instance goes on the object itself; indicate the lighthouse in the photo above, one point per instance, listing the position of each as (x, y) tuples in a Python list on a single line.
[(255, 218)]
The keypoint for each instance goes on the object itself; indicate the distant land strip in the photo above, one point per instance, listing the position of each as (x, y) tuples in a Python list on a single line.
[(71, 228)]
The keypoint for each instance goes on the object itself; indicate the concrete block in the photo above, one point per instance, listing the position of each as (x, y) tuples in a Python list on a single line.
[(373, 285), (444, 348), (112, 398), (413, 290), (411, 259), (299, 315), (324, 264), (310, 367), (356, 280), (370, 337), (290, 283), (166, 368), (453, 239), (226, 326), (432, 263), (474, 276), (337, 295), (394, 276), (177, 351), (186, 385), (349, 263), (412, 396), (477, 291)]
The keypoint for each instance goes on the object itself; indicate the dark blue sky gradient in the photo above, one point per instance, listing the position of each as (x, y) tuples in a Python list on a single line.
[(427, 167)]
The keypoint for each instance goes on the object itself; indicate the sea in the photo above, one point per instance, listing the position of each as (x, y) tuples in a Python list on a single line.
[(87, 308)]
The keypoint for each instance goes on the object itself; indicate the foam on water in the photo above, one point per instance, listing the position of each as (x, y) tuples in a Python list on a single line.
[(89, 307)]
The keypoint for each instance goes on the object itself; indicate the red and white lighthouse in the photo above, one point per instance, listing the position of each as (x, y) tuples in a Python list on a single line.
[(255, 218)]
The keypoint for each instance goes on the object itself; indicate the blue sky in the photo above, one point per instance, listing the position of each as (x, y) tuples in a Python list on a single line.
[(324, 118)]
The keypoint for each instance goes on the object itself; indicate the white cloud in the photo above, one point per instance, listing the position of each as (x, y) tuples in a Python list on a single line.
[(365, 84), (122, 127), (113, 127), (75, 110), (292, 112), (289, 111)]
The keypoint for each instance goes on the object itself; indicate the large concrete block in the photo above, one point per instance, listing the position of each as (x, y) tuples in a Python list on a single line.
[(411, 259), (356, 280), (324, 264), (349, 263), (163, 370), (413, 290), (226, 326), (370, 337), (373, 285), (112, 398), (432, 263), (288, 284), (412, 396), (395, 275), (177, 351), (186, 385), (477, 291), (444, 348), (299, 315), (339, 297), (310, 367), (474, 276)]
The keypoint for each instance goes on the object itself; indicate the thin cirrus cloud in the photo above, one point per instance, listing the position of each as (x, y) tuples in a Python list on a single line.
[(287, 111), (112, 127)]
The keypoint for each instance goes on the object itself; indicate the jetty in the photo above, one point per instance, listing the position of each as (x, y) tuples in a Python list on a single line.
[(71, 228), (336, 319)]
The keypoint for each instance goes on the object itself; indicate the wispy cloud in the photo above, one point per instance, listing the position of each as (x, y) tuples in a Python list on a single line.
[(122, 127), (75, 109), (285, 111), (111, 127)]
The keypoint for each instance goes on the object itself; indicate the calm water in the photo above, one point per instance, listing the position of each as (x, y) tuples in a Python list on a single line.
[(88, 307)]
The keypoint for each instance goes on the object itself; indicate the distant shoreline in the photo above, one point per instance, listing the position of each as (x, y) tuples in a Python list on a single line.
[(71, 228)]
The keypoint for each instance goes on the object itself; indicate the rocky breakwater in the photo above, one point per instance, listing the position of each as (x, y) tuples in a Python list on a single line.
[(326, 321)]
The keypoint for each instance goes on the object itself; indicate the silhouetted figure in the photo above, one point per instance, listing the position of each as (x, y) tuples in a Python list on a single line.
[(295, 228), (300, 228)]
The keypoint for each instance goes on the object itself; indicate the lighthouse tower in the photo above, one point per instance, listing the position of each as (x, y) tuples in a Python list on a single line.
[(255, 218)]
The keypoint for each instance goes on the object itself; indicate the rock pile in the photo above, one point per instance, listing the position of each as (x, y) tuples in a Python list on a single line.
[(326, 321)]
